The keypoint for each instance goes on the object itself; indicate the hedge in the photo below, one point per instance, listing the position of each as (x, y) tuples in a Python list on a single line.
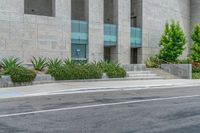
[(21, 75), (76, 72)]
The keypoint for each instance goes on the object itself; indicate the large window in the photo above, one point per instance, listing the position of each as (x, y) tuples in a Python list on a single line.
[(40, 7)]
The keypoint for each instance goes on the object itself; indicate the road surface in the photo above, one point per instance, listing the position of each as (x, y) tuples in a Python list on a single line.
[(170, 110)]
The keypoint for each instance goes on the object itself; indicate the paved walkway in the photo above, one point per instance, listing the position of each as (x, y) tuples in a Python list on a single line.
[(84, 87)]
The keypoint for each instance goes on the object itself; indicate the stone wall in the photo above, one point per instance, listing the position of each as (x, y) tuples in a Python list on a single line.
[(180, 70), (195, 12), (155, 15), (24, 35)]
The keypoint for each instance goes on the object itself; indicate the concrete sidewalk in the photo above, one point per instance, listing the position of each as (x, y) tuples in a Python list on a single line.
[(80, 87)]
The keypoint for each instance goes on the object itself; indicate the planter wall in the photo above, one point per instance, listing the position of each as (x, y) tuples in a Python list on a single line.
[(183, 71), (5, 80)]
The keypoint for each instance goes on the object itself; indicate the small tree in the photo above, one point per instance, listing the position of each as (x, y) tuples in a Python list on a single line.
[(196, 44), (172, 42)]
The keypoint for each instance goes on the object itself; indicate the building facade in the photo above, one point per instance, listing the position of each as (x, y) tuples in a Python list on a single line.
[(127, 31)]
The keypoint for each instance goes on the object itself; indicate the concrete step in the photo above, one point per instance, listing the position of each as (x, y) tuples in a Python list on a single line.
[(162, 73), (145, 78), (142, 75), (139, 72)]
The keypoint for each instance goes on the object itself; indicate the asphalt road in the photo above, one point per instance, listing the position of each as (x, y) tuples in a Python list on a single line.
[(170, 110)]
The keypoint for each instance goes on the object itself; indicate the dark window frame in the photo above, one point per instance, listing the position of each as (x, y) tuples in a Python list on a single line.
[(50, 11)]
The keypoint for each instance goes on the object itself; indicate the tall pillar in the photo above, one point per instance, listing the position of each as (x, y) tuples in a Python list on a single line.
[(96, 29), (63, 10), (122, 17)]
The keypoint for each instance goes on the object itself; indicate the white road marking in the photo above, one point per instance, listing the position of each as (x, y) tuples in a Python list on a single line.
[(97, 105)]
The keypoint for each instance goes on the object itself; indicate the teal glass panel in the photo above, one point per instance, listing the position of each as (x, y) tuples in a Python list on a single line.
[(110, 35), (79, 51), (136, 37), (79, 33)]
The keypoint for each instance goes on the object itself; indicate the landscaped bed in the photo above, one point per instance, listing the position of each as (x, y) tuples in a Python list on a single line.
[(12, 69), (172, 44)]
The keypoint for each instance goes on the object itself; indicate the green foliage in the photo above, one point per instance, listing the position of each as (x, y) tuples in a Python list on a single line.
[(195, 75), (8, 63), (72, 71), (112, 69), (39, 63), (68, 62), (21, 74), (54, 63), (172, 43), (196, 67), (185, 61), (152, 62), (196, 44)]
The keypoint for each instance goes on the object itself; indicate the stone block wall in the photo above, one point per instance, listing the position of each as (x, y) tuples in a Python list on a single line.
[(180, 70), (24, 35), (155, 14)]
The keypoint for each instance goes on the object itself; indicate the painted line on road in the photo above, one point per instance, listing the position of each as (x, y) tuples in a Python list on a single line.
[(97, 105)]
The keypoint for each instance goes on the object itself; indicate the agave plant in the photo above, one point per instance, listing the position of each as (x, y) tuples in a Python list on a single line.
[(152, 62), (12, 62), (68, 62), (39, 63), (108, 65), (54, 63)]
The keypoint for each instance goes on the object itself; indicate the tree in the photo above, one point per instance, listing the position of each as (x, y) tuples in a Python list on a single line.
[(196, 44), (172, 43)]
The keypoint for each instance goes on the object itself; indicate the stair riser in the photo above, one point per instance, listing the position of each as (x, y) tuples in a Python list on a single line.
[(135, 75)]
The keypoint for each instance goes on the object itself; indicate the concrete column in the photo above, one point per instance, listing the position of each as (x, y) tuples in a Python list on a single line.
[(122, 17), (96, 30), (63, 11)]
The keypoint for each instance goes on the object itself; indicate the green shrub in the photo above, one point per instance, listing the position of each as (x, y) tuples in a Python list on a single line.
[(12, 62), (172, 43), (196, 44), (152, 62), (185, 61), (112, 69), (68, 62), (54, 63), (75, 72), (196, 75), (70, 70), (21, 74), (196, 67), (116, 73), (39, 63)]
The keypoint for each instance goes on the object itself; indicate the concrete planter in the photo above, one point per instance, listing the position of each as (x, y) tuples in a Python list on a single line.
[(183, 71), (5, 80), (105, 76)]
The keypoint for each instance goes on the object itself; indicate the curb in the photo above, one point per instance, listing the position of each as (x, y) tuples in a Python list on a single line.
[(101, 89)]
